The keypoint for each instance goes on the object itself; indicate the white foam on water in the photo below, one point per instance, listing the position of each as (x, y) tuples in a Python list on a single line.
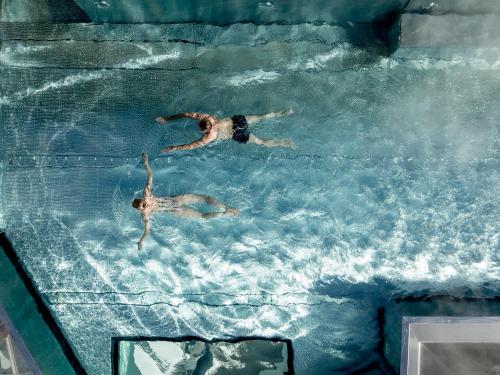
[(319, 61), (67, 81), (478, 59), (9, 50), (253, 77), (75, 79), (142, 62)]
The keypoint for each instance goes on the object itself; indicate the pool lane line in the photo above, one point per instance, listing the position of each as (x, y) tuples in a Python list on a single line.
[(42, 308)]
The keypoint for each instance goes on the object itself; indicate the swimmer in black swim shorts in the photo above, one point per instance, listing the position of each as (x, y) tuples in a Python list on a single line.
[(235, 128)]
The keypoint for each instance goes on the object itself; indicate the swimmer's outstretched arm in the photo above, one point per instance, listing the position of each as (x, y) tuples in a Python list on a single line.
[(271, 142), (203, 141), (193, 115), (145, 219), (149, 184), (252, 119)]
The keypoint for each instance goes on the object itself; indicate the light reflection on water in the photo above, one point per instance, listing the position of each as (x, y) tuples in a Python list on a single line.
[(387, 183)]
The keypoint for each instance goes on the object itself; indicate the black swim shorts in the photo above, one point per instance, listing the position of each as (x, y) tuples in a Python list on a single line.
[(240, 128)]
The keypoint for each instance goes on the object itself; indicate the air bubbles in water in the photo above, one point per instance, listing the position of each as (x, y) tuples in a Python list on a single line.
[(102, 4), (265, 4)]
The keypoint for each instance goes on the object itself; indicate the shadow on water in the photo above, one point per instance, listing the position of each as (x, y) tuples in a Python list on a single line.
[(416, 299), (380, 37), (66, 10)]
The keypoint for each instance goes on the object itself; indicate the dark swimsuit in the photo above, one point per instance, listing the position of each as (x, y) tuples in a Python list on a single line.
[(240, 127)]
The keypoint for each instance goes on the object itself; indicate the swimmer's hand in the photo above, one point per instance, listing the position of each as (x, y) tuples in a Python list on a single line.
[(168, 149), (139, 245), (144, 157), (160, 120), (232, 211), (288, 143), (288, 112)]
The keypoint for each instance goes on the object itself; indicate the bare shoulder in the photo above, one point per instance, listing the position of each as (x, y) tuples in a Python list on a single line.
[(214, 120)]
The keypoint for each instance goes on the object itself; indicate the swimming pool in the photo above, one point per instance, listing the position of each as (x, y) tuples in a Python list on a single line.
[(393, 186)]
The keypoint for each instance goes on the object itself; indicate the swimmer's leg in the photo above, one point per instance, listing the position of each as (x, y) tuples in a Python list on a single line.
[(252, 119), (194, 214), (187, 212), (271, 142), (198, 198)]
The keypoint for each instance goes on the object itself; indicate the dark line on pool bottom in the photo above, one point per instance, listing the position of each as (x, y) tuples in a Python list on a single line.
[(261, 294), (115, 341), (105, 68), (93, 40), (44, 311), (197, 302)]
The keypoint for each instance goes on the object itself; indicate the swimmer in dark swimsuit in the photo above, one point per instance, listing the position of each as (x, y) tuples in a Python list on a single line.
[(174, 205), (235, 127)]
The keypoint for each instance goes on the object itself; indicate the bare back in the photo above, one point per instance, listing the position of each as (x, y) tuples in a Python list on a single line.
[(224, 128)]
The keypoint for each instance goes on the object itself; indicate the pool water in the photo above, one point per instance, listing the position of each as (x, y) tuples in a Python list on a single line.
[(191, 356), (392, 187)]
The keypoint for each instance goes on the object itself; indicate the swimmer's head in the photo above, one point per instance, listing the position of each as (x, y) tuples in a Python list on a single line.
[(205, 125), (139, 204)]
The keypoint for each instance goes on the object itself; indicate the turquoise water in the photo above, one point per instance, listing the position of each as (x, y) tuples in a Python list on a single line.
[(392, 187), (191, 356)]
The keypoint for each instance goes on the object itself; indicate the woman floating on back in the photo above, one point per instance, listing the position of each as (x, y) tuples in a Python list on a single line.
[(235, 127), (151, 204)]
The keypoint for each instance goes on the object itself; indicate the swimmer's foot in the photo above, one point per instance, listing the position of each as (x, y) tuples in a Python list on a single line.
[(232, 212), (160, 120), (289, 112), (168, 149)]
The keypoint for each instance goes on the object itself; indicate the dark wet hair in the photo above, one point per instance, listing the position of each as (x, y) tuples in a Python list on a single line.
[(204, 123), (137, 203)]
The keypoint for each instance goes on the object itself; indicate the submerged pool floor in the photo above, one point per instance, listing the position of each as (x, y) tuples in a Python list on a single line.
[(393, 186)]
